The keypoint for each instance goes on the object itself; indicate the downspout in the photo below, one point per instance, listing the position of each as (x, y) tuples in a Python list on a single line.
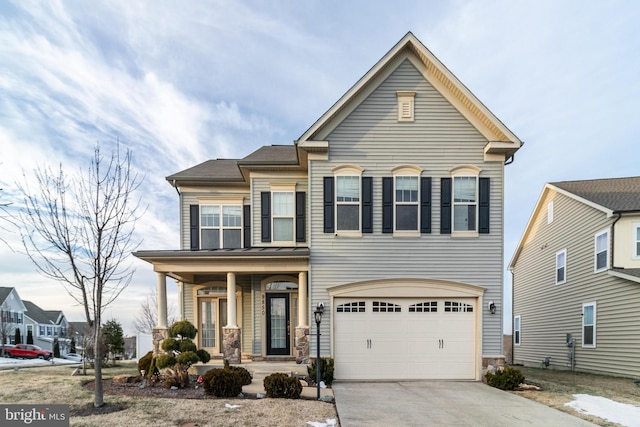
[(176, 187), (613, 234), (513, 332)]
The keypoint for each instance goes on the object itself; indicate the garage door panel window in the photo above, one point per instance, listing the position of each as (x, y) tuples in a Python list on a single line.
[(457, 307), (351, 307), (424, 307), (385, 307)]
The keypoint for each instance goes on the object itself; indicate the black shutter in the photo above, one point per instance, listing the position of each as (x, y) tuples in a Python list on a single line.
[(194, 226), (265, 216), (425, 205), (328, 205), (483, 208), (367, 204), (445, 206), (387, 205), (246, 225), (301, 218)]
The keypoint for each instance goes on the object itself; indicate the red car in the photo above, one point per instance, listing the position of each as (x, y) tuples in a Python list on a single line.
[(29, 351)]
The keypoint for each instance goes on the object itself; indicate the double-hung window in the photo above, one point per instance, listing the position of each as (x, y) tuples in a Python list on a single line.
[(283, 216), (406, 198), (589, 325), (516, 330), (220, 226), (348, 202), (601, 251), (636, 240), (465, 202), (561, 267)]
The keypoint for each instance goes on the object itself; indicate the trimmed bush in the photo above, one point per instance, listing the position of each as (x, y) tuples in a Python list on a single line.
[(326, 370), (187, 345), (203, 355), (282, 386), (170, 345), (144, 363), (183, 329), (506, 378), (165, 361), (187, 358), (222, 383), (243, 374)]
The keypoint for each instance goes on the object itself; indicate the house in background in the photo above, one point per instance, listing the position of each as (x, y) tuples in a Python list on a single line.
[(388, 210), (47, 326), (11, 315), (576, 278)]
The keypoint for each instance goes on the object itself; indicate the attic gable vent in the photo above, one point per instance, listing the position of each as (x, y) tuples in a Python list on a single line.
[(405, 106)]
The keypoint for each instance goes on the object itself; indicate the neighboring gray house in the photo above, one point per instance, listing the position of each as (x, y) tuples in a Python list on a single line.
[(46, 326), (11, 315), (576, 278), (388, 210)]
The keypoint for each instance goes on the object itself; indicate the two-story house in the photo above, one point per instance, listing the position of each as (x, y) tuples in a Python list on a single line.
[(576, 278), (11, 315), (47, 326), (388, 210)]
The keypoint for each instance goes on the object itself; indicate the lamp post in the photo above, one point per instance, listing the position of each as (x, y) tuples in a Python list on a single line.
[(317, 313)]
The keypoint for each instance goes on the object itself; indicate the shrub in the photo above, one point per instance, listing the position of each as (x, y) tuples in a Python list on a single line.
[(187, 345), (282, 386), (507, 378), (326, 370), (183, 329), (164, 361), (188, 358), (144, 363), (203, 355), (222, 383), (170, 345), (243, 374), (177, 376)]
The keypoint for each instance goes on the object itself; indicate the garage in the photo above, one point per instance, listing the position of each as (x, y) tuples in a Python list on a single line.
[(406, 338)]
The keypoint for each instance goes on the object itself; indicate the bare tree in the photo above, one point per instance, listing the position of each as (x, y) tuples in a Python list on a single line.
[(147, 318), (78, 230), (6, 324)]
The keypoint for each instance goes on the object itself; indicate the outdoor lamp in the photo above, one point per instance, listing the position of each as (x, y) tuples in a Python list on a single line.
[(317, 314), (492, 307)]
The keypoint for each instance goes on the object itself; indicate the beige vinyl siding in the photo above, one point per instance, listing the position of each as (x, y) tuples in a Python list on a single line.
[(550, 311), (258, 185), (439, 139)]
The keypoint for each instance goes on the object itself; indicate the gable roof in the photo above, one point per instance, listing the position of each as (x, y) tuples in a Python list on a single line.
[(615, 194), (611, 196), (40, 316), (272, 155), (501, 139), (218, 170), (4, 293)]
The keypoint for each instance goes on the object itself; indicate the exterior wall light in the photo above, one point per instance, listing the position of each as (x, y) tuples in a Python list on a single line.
[(492, 307)]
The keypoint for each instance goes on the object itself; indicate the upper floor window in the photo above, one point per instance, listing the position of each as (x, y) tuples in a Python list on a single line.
[(561, 267), (220, 226), (464, 199), (464, 203), (516, 330), (601, 251), (589, 325), (636, 240), (283, 215)]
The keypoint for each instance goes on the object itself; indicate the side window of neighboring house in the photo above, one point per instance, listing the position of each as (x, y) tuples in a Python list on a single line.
[(516, 330), (465, 202), (550, 213), (561, 267), (601, 251), (41, 331), (220, 226), (636, 240), (49, 331), (589, 325)]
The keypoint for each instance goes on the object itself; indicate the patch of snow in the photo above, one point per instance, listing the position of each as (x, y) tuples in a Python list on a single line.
[(230, 406), (607, 409), (7, 362)]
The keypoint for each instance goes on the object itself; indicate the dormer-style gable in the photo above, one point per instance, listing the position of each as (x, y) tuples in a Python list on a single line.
[(501, 142)]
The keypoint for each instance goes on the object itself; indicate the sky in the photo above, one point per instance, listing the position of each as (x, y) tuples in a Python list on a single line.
[(179, 83)]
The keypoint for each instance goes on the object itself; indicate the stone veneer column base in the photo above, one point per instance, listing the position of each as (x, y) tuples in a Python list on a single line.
[(492, 364), (157, 336), (231, 345), (302, 345)]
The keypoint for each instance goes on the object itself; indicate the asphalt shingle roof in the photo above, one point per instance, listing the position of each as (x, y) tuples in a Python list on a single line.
[(38, 315), (220, 170), (272, 154), (616, 194), (4, 293)]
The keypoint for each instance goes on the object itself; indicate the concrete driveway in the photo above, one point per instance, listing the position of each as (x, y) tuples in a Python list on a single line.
[(441, 403)]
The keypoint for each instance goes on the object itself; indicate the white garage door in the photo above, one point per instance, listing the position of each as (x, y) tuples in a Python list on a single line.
[(405, 338)]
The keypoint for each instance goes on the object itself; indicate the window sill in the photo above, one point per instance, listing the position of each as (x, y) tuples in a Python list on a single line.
[(458, 234), (406, 234), (348, 234)]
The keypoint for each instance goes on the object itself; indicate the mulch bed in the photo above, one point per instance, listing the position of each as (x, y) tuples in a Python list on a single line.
[(138, 389)]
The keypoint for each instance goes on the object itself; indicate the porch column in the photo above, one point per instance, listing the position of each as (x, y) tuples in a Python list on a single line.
[(162, 300), (231, 301), (303, 318), (302, 328)]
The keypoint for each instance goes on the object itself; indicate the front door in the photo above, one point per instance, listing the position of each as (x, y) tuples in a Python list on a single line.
[(213, 317), (278, 320)]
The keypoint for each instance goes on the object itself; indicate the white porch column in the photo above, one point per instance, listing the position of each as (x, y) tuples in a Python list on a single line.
[(303, 318), (231, 301), (162, 300)]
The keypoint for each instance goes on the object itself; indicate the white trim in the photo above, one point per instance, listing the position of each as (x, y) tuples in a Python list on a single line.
[(589, 304), (341, 172), (550, 212), (564, 280), (595, 251), (406, 106), (635, 240)]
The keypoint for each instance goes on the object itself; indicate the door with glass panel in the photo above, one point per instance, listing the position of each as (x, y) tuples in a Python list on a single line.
[(213, 317), (278, 324)]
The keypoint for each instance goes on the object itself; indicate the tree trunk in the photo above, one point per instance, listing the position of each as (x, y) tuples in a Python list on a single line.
[(97, 363)]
